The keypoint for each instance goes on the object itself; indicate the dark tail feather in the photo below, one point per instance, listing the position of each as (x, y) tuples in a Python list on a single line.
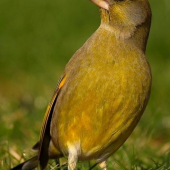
[(27, 165)]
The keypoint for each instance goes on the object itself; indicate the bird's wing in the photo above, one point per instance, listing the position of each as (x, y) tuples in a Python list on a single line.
[(45, 137)]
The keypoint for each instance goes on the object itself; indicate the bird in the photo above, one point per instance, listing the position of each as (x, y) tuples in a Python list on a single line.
[(103, 91)]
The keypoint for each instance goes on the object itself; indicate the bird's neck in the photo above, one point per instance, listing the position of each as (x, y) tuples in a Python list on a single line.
[(135, 34)]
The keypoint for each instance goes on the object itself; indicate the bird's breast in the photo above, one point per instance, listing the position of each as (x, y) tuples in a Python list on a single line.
[(101, 102)]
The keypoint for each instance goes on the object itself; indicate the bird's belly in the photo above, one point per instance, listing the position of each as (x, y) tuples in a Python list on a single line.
[(99, 115)]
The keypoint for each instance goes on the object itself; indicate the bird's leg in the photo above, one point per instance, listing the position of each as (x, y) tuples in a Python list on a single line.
[(103, 165), (72, 158)]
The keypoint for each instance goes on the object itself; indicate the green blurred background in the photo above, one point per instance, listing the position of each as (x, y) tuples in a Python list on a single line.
[(37, 38)]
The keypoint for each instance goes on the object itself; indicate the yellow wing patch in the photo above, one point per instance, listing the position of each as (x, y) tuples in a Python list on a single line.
[(62, 82)]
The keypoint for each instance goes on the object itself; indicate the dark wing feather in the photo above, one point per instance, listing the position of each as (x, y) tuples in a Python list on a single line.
[(45, 130)]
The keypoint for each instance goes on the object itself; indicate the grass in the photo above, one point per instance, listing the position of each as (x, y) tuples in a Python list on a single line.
[(37, 38)]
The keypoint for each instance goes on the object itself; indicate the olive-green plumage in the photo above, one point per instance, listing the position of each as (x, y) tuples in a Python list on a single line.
[(104, 89)]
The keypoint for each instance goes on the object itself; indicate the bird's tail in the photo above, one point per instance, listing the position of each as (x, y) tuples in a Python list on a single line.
[(27, 165)]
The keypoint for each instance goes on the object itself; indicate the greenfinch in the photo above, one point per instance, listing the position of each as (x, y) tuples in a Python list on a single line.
[(103, 91)]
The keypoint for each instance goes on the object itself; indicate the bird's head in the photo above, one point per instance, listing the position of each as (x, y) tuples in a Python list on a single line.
[(125, 17)]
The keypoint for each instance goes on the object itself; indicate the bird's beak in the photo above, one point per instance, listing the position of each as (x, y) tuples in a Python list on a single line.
[(101, 3)]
